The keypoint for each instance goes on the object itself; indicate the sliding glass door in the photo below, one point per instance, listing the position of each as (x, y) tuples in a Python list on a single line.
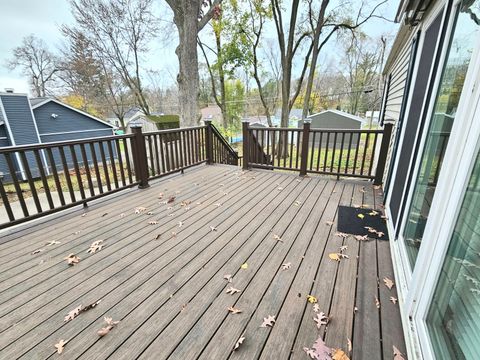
[(453, 320), (465, 33)]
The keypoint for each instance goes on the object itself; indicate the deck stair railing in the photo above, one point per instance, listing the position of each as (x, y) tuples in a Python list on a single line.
[(41, 179), (348, 153)]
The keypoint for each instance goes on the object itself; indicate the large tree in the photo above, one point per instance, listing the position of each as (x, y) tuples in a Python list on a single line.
[(190, 17), (37, 62), (119, 31)]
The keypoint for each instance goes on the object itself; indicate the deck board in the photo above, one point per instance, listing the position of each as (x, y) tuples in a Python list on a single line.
[(169, 292)]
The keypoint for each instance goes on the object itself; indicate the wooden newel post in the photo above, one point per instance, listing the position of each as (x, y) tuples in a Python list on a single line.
[(304, 150), (209, 141), (245, 138), (382, 157), (139, 154)]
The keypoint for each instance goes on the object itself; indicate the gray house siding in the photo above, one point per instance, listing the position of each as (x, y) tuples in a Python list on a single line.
[(22, 126)]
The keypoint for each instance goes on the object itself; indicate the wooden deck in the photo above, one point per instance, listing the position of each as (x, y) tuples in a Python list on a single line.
[(165, 282)]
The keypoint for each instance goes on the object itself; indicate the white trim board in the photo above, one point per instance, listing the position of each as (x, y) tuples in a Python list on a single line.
[(74, 132)]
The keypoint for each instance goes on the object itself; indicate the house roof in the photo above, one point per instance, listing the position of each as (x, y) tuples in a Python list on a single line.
[(341, 113), (38, 102)]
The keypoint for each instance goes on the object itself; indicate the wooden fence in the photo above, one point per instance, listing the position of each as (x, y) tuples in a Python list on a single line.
[(339, 152), (45, 178)]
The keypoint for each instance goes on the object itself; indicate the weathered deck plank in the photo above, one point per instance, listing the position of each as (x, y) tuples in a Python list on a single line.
[(169, 292)]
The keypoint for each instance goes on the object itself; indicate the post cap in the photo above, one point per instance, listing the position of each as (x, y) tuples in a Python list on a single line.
[(135, 124), (307, 121)]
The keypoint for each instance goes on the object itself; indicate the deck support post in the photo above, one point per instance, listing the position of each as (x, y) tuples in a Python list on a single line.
[(209, 141), (382, 157), (245, 133), (139, 154), (304, 149)]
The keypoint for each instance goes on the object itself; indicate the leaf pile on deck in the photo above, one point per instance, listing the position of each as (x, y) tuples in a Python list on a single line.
[(110, 325), (78, 310), (72, 259), (95, 246)]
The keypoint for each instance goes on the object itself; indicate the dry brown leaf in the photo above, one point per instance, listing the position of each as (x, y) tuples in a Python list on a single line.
[(393, 299), (234, 310), (397, 355), (150, 213), (153, 222), (277, 237), (388, 283), (95, 246), (320, 319), (185, 202), (171, 199), (297, 203), (343, 248), (231, 290), (341, 234), (329, 223), (319, 351), (339, 354), (268, 321), (72, 314), (72, 259), (61, 344), (286, 266), (316, 308), (361, 237), (140, 209), (213, 228), (180, 224), (53, 242), (105, 214), (110, 325), (160, 196), (377, 302), (174, 234), (158, 236), (373, 213), (239, 342), (38, 251), (334, 256)]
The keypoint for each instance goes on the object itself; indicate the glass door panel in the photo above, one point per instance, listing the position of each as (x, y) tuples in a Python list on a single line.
[(465, 33), (454, 317)]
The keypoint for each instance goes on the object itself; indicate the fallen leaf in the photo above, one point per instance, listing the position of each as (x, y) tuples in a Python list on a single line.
[(341, 234), (84, 214), (319, 351), (320, 319), (231, 290), (349, 345), (213, 228), (160, 196), (393, 299), (150, 213), (373, 213), (334, 256), (239, 342), (153, 222), (380, 234), (53, 242), (38, 251), (397, 355), (329, 223), (361, 216), (110, 325), (316, 308), (228, 277), (311, 299), (72, 314), (297, 203), (104, 214), (140, 209), (171, 199), (234, 310), (339, 354), (61, 344), (244, 266), (268, 321), (280, 188), (388, 283), (158, 236), (343, 248), (286, 266), (185, 203), (72, 259), (377, 302), (277, 237), (361, 237), (95, 246), (180, 224), (174, 234)]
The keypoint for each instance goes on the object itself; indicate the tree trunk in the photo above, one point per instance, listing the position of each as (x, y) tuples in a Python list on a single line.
[(186, 20)]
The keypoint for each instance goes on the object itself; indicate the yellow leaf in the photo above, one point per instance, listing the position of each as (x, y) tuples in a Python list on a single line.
[(311, 299), (361, 216), (334, 256), (244, 266), (339, 354)]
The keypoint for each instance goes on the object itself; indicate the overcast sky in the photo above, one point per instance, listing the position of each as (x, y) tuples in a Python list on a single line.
[(19, 18)]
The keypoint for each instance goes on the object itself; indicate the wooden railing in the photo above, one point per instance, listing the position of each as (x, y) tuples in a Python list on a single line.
[(339, 152), (44, 178)]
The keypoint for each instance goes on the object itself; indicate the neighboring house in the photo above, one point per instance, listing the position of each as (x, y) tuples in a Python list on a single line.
[(25, 121), (432, 182), (334, 119), (212, 112)]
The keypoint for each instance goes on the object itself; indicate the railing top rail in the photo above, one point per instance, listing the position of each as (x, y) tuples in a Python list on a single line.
[(176, 130), (324, 130), (28, 147)]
